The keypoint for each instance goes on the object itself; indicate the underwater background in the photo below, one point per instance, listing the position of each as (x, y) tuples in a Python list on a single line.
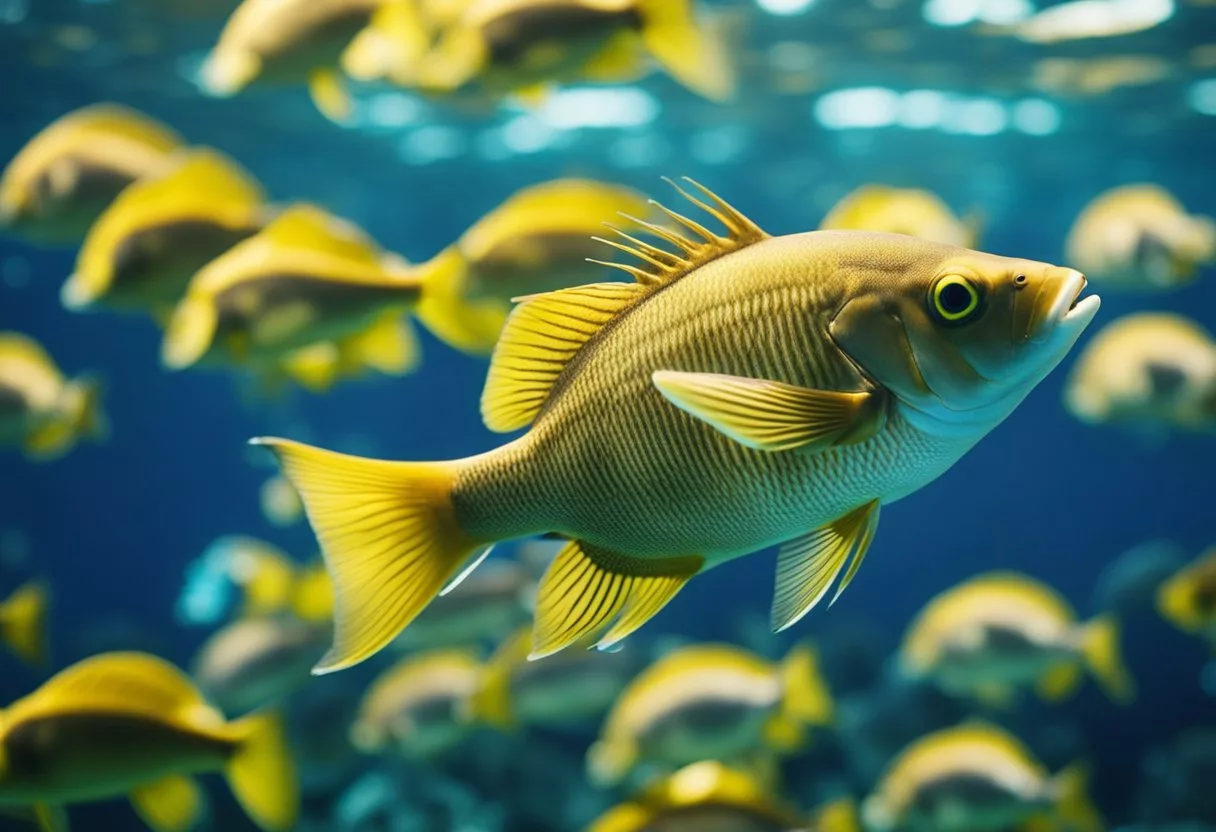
[(823, 107)]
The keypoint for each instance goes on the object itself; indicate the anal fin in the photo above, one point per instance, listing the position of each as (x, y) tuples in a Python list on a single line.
[(51, 818), (171, 804)]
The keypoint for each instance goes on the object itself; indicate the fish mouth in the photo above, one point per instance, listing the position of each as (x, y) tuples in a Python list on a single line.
[(1069, 311)]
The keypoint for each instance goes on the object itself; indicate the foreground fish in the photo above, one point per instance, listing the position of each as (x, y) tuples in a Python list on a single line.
[(142, 252), (132, 724), (418, 707), (308, 277), (23, 622), (537, 241), (1149, 370), (746, 391), (64, 177), (1000, 631), (910, 211), (1140, 237), (709, 797), (1188, 599), (494, 600), (256, 662), (976, 778), (41, 411), (710, 701), (519, 46)]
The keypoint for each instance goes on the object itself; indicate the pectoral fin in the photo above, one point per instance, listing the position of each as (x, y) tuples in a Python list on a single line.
[(329, 95), (772, 415), (171, 804), (51, 818)]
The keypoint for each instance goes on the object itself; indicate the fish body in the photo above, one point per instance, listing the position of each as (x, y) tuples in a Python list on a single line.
[(1000, 631), (23, 622), (911, 211), (975, 778), (129, 723), (67, 175), (710, 702), (1188, 598), (144, 249), (41, 411), (496, 598), (747, 391), (1148, 370)]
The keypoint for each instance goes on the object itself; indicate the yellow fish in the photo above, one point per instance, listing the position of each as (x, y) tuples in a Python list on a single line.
[(23, 622), (65, 176), (495, 599), (1003, 630), (1188, 599), (40, 410), (1140, 237), (397, 38), (417, 707), (132, 724), (976, 778), (142, 252), (911, 211), (710, 797), (266, 575), (745, 391), (1148, 369), (308, 277), (520, 46)]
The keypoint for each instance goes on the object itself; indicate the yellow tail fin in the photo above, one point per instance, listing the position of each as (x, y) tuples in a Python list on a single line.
[(389, 536), (1076, 811), (692, 52), (262, 775), (807, 698), (838, 816), (1100, 645), (469, 326), (23, 622)]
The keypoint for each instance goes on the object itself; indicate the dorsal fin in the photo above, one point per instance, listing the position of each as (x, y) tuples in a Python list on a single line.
[(306, 226)]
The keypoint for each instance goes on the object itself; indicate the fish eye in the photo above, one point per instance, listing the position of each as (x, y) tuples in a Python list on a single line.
[(954, 299)]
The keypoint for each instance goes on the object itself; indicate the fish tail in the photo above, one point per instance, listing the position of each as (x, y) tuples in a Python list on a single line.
[(840, 815), (609, 760), (190, 333), (389, 535), (1100, 646), (261, 772), (693, 52), (444, 309), (85, 410), (23, 622), (388, 346), (1076, 810), (807, 698), (492, 701)]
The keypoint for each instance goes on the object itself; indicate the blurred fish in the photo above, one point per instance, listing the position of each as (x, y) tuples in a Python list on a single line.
[(133, 724), (673, 432), (144, 249), (976, 778), (1129, 583), (1085, 19), (493, 600), (264, 575), (417, 707), (996, 632), (537, 241), (66, 176), (23, 622), (281, 504), (710, 797), (1147, 370), (911, 211), (308, 277), (312, 596), (1140, 237), (288, 42), (710, 701), (1099, 76), (397, 38), (255, 662), (1188, 599), (573, 687), (41, 411)]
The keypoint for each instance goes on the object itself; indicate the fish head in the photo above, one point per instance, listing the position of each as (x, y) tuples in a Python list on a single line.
[(961, 338)]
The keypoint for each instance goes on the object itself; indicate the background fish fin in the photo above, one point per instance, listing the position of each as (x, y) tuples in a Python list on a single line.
[(329, 95), (492, 701), (694, 52), (388, 346), (190, 333), (469, 326), (1100, 645), (305, 226), (1076, 810), (23, 622), (51, 817), (262, 774), (124, 121), (839, 815), (610, 759), (627, 817), (172, 804), (454, 61), (994, 694), (1059, 682), (621, 61), (806, 697)]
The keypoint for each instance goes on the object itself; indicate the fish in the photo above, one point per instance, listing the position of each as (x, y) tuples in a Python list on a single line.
[(146, 246), (1188, 598), (264, 573), (539, 240), (1086, 19), (1129, 583), (911, 211), (1000, 631), (397, 38), (307, 277), (297, 42), (976, 777), (129, 723), (570, 688), (711, 701), (1140, 237), (672, 429), (1147, 370), (68, 174), (708, 796), (41, 411), (495, 599), (522, 46), (253, 663), (23, 622), (417, 707), (281, 505)]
